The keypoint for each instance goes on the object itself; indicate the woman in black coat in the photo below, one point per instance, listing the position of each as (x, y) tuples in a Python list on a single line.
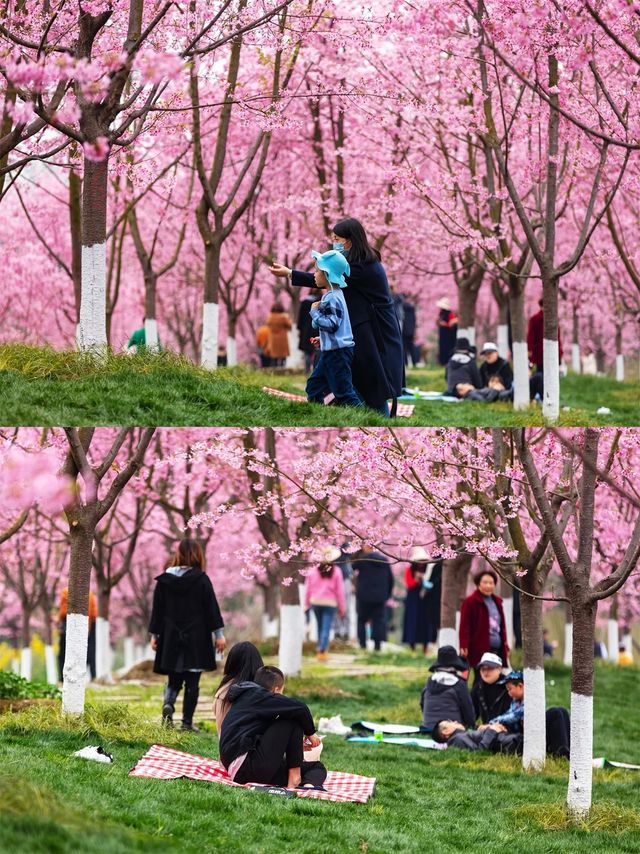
[(184, 617), (378, 359)]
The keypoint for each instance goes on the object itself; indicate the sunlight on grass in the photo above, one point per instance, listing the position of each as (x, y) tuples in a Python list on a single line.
[(604, 816)]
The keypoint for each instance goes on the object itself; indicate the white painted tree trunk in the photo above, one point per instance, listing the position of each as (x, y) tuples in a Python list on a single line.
[(613, 639), (50, 665), (151, 338), (507, 606), (534, 751), (129, 653), (25, 662), (103, 648), (15, 665), (469, 333), (75, 664), (576, 364), (520, 376), (291, 638), (551, 401), (581, 759), (503, 340), (295, 359), (312, 628), (232, 351), (210, 326), (269, 627), (619, 368), (627, 643), (92, 329), (568, 643), (448, 637), (140, 652), (352, 611)]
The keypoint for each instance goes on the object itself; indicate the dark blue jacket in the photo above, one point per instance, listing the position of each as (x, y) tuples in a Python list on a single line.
[(374, 578), (378, 359)]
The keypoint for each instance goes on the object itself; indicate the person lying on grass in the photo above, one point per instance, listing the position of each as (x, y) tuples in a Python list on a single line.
[(494, 391), (264, 735), (492, 737), (330, 316), (556, 719)]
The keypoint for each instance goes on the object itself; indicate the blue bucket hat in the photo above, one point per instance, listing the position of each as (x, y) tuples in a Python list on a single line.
[(514, 676), (334, 265)]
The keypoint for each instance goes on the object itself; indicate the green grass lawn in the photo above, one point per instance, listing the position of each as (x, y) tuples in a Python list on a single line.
[(425, 801), (46, 387)]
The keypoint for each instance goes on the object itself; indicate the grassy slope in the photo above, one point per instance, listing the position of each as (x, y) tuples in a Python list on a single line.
[(425, 801), (45, 387)]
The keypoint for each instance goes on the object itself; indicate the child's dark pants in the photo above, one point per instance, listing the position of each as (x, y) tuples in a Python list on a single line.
[(332, 373), (265, 762), (191, 692)]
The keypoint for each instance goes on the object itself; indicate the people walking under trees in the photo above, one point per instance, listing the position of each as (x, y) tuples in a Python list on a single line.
[(374, 586), (423, 580), (447, 330), (483, 626), (279, 324), (262, 345), (184, 618), (324, 595)]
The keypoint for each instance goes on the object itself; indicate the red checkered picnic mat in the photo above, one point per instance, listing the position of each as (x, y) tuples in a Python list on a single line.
[(405, 410), (163, 763)]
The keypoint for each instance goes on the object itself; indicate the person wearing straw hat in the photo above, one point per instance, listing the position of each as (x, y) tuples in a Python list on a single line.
[(332, 373), (423, 580), (324, 594), (447, 330)]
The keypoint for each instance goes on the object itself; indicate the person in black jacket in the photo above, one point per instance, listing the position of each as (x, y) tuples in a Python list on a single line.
[(378, 359), (495, 366), (446, 696), (305, 330), (374, 586), (494, 739), (489, 693), (185, 614), (462, 368), (264, 734)]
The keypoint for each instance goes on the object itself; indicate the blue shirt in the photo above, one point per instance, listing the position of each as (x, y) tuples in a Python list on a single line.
[(331, 319), (513, 718)]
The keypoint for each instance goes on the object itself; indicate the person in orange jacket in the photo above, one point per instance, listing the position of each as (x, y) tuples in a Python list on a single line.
[(91, 646)]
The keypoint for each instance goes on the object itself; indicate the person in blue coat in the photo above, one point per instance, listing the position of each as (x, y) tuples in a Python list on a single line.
[(378, 360)]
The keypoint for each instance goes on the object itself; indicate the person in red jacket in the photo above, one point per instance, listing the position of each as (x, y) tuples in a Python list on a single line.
[(535, 336), (482, 624)]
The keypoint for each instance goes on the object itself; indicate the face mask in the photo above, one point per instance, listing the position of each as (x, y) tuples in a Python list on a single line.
[(340, 247)]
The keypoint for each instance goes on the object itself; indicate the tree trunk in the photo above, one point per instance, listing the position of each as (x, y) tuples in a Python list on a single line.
[(92, 332), (576, 365), (25, 655), (467, 299), (550, 350), (75, 228), (581, 760), (619, 356), (454, 579), (211, 307), (291, 631), (75, 662), (103, 636), (152, 341), (51, 666), (519, 345), (535, 746), (568, 636), (232, 347), (613, 633), (269, 622)]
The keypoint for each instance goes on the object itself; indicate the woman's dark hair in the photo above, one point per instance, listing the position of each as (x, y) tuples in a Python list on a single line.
[(326, 569), (361, 252), (478, 576), (277, 307), (188, 553), (242, 664)]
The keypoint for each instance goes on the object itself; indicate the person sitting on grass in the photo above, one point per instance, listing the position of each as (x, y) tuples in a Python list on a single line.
[(489, 693), (264, 735), (494, 365), (242, 664), (330, 316), (492, 737), (446, 696), (556, 718)]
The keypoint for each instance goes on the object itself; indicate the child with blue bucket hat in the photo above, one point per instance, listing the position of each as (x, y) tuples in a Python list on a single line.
[(330, 317)]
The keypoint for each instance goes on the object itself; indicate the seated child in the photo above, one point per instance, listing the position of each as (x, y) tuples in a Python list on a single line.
[(332, 372), (493, 738), (512, 720), (489, 693), (446, 696), (262, 739)]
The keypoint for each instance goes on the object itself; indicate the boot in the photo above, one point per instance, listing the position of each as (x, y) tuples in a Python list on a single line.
[(188, 708), (169, 705)]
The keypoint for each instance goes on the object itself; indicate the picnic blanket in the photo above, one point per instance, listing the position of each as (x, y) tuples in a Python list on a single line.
[(164, 763), (603, 762), (419, 394), (404, 410), (425, 743)]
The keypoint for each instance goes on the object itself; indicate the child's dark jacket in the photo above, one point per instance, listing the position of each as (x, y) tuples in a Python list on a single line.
[(253, 710)]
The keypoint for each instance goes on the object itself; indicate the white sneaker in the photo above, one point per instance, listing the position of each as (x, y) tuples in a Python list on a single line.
[(97, 754), (333, 726)]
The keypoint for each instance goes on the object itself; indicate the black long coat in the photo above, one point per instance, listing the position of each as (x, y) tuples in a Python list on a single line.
[(184, 615), (378, 357)]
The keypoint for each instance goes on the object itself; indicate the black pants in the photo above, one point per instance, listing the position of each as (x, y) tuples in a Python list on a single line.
[(374, 612), (191, 683), (558, 731), (279, 749), (332, 373)]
